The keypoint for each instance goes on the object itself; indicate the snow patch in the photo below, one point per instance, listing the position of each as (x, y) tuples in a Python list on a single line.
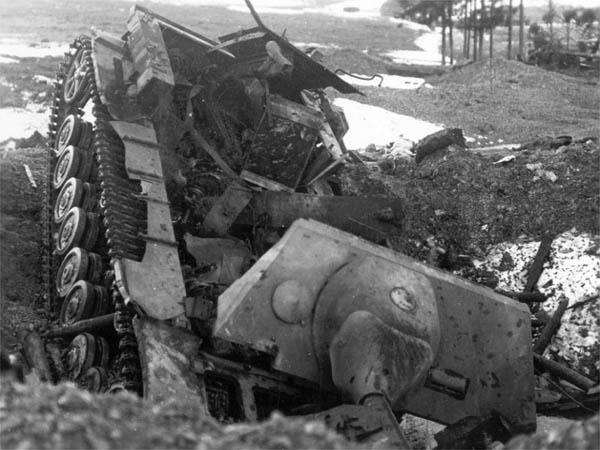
[(316, 45), (374, 125), (429, 42), (349, 9), (20, 123), (572, 272), (11, 48), (387, 81), (6, 60)]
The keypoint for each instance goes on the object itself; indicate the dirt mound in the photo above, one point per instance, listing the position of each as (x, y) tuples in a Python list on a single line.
[(48, 417), (503, 70), (466, 201), (21, 242)]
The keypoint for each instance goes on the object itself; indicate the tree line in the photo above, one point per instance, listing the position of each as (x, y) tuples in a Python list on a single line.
[(476, 18)]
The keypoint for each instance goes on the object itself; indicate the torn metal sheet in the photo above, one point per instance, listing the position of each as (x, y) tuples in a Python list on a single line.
[(226, 258), (227, 208)]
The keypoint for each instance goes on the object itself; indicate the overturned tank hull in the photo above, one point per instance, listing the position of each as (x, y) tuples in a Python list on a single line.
[(200, 249)]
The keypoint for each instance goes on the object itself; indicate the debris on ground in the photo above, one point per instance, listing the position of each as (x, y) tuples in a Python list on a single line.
[(43, 416), (560, 434), (438, 141), (571, 275)]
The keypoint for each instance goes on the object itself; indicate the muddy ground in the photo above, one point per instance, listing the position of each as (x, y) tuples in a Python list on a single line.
[(458, 199)]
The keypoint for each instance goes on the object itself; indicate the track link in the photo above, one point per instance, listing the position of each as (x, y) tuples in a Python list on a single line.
[(107, 229)]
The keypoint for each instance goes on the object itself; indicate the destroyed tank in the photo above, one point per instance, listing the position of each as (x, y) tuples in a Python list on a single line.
[(200, 248)]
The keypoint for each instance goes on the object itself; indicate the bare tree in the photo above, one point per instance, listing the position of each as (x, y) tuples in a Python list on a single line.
[(491, 29), (443, 15), (569, 15), (510, 16), (522, 55), (450, 31), (474, 27), (481, 29), (549, 17), (466, 29)]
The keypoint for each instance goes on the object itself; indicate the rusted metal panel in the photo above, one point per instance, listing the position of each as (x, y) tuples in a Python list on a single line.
[(165, 360), (280, 151)]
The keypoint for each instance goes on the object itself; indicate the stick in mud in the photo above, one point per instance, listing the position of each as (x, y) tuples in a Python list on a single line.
[(551, 328), (563, 372), (87, 325), (537, 267)]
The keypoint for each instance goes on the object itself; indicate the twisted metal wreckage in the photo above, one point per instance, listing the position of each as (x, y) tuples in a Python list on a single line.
[(200, 251)]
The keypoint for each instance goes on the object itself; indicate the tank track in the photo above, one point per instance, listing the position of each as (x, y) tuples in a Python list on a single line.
[(94, 219)]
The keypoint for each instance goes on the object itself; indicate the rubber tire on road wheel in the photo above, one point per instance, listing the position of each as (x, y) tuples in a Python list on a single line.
[(95, 380), (67, 166), (69, 133), (80, 303), (74, 267), (72, 231), (81, 354), (70, 195)]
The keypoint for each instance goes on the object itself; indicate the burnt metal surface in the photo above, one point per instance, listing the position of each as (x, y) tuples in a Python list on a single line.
[(165, 360), (201, 154), (486, 337), (227, 208), (357, 215), (173, 366), (371, 427), (307, 73)]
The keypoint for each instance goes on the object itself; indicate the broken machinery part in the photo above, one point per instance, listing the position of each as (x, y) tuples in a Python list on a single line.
[(187, 257)]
